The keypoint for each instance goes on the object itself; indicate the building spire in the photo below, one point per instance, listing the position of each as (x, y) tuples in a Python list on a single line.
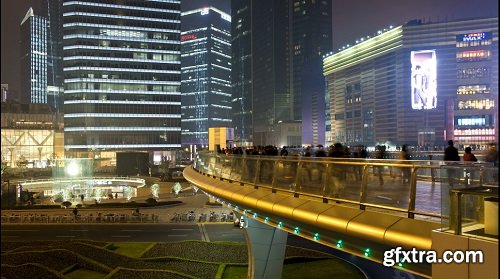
[(28, 15)]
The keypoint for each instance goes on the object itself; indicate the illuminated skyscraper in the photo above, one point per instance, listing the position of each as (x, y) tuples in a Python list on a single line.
[(276, 45), (55, 76), (241, 71), (122, 77), (206, 73), (33, 58)]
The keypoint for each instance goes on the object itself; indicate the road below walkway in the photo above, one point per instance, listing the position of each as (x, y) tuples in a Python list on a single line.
[(123, 232)]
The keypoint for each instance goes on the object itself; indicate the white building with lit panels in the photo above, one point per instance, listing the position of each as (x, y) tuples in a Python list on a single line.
[(418, 84), (121, 77)]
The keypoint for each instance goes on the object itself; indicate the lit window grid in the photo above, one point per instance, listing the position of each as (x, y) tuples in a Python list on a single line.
[(121, 129), (38, 59), (112, 38), (33, 145), (120, 115), (159, 51), (93, 4), (120, 17), (95, 25), (197, 113), (128, 81), (140, 83), (120, 92), (173, 58), (121, 146), (73, 69), (197, 41), (121, 102)]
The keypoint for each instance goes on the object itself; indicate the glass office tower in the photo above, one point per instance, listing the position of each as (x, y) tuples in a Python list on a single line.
[(206, 73), (55, 75), (122, 77), (277, 47), (34, 58), (241, 71)]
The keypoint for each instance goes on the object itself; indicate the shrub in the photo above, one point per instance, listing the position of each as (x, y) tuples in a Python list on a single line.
[(79, 205), (66, 204), (151, 202)]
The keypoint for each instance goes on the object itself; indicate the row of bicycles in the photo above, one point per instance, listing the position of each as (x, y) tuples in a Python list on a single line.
[(192, 216)]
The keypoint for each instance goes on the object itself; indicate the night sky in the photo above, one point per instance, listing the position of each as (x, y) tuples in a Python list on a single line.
[(352, 19)]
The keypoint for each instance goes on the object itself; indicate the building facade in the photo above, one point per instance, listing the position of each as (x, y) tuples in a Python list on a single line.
[(276, 45), (311, 39), (31, 135), (122, 77), (475, 111), (241, 72), (418, 84), (33, 59), (55, 75), (206, 73)]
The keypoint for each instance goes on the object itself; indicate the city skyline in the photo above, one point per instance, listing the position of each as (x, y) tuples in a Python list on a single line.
[(346, 29)]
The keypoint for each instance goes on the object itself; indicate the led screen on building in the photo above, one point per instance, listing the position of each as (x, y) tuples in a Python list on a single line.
[(423, 79)]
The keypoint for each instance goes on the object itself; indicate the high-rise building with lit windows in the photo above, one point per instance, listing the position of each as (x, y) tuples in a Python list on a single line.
[(122, 77), (55, 75), (206, 73), (311, 38), (277, 49), (33, 58), (421, 84), (241, 71), (475, 118)]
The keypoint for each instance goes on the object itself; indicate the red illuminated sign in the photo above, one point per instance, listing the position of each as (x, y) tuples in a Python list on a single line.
[(188, 37)]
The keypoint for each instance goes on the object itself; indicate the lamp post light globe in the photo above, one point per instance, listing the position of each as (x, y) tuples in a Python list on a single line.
[(73, 169)]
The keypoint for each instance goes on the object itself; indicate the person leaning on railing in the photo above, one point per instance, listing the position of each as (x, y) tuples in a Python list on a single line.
[(451, 155), (404, 155), (492, 154)]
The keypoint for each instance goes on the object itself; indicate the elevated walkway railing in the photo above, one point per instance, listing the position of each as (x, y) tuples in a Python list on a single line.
[(348, 204), (413, 187)]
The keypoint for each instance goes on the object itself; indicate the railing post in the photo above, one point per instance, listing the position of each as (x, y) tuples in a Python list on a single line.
[(326, 181), (455, 212), (244, 169), (232, 160), (257, 172), (274, 181), (364, 185), (298, 176), (481, 176), (433, 174), (413, 193)]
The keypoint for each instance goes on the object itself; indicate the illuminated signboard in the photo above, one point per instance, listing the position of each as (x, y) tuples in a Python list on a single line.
[(423, 79), (478, 36), (188, 37)]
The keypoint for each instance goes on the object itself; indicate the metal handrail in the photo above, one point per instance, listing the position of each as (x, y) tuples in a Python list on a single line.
[(240, 165)]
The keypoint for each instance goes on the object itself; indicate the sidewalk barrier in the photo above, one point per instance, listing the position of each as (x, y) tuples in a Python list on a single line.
[(119, 216)]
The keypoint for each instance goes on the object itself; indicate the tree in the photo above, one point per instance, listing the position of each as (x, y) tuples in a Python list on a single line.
[(177, 188), (164, 166), (4, 166), (155, 190)]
